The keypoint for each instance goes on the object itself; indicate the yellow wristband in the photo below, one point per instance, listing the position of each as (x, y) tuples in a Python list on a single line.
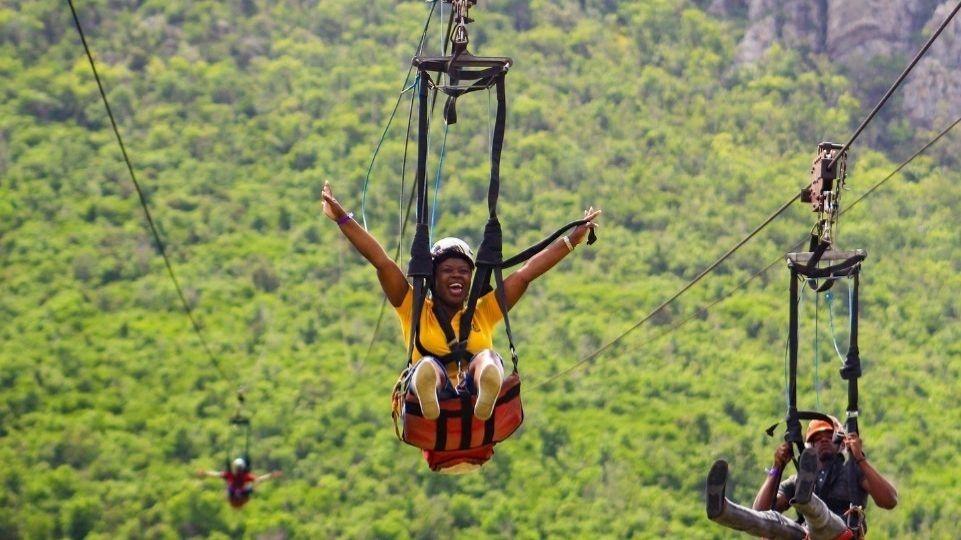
[(567, 242)]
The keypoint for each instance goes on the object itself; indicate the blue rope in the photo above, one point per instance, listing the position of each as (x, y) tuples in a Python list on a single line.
[(406, 88), (817, 357), (437, 178), (834, 337), (373, 158)]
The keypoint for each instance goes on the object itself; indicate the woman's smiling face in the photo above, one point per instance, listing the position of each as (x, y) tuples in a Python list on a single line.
[(452, 281)]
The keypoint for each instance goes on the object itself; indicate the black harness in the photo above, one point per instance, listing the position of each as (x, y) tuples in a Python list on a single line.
[(480, 73), (804, 266)]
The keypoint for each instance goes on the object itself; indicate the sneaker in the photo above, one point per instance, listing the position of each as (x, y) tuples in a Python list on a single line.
[(807, 475), (489, 383), (716, 480), (424, 384)]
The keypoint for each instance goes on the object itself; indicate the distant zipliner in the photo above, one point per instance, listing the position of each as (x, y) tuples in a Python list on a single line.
[(829, 491), (238, 473)]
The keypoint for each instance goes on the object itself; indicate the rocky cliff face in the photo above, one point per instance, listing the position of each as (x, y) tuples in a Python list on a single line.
[(862, 35)]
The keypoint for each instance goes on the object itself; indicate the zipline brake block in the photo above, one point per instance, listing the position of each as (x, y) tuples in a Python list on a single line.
[(822, 193)]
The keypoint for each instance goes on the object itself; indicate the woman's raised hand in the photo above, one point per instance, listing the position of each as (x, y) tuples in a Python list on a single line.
[(332, 208), (590, 215)]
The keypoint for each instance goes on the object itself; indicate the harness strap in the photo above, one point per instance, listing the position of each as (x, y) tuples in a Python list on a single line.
[(421, 267), (543, 244), (502, 303), (441, 433), (489, 428), (491, 248), (842, 269), (851, 371), (466, 419), (793, 434)]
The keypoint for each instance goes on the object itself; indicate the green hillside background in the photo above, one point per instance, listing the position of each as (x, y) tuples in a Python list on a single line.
[(235, 112)]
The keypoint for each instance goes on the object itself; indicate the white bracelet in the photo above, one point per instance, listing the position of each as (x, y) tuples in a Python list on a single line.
[(567, 242)]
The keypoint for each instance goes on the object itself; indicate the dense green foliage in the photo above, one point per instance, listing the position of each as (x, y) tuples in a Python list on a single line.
[(235, 112)]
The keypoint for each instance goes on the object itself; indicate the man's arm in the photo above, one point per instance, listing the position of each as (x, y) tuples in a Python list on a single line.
[(768, 493), (883, 492)]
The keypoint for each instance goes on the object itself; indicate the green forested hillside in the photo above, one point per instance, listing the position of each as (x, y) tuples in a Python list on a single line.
[(235, 112)]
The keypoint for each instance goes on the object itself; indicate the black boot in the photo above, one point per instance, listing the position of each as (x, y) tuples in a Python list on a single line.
[(768, 524), (807, 475), (716, 480)]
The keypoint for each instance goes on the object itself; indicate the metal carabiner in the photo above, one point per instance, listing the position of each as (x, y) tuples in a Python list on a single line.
[(459, 36)]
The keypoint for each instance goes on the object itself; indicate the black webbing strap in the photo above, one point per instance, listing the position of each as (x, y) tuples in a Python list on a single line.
[(851, 371), (497, 145), (466, 419), (793, 433), (490, 253), (818, 248), (421, 266), (502, 303), (542, 245), (457, 352), (482, 277), (483, 80), (489, 429), (440, 434), (844, 268)]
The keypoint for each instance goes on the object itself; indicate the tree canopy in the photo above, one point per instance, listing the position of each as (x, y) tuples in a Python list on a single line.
[(234, 113)]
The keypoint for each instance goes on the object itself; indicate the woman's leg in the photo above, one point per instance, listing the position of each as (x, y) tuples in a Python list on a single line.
[(487, 370), (427, 380)]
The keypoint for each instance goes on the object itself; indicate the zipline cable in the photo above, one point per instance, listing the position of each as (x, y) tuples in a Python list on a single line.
[(706, 308), (857, 133), (143, 203), (403, 226), (904, 74), (676, 295)]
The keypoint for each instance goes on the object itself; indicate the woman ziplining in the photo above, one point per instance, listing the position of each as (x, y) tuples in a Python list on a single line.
[(453, 399), (440, 374)]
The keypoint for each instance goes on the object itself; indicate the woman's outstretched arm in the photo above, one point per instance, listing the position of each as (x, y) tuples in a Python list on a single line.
[(391, 277), (516, 284)]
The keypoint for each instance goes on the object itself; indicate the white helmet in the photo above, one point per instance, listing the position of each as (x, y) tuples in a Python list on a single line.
[(451, 247), (238, 465)]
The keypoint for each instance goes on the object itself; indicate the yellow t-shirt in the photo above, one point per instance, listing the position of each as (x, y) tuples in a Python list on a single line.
[(486, 316)]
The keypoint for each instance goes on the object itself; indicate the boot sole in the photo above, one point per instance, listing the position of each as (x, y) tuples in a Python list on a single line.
[(806, 476), (425, 387), (489, 385), (716, 480)]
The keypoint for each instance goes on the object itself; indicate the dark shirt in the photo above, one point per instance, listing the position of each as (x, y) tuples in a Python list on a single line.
[(832, 486)]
